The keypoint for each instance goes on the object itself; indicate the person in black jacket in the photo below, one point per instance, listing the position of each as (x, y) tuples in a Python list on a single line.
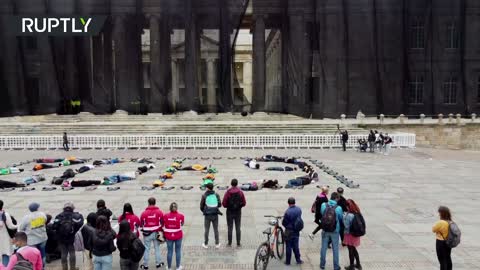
[(66, 224), (102, 245), (102, 210), (371, 141), (342, 202), (209, 205), (124, 243), (316, 208), (344, 137), (88, 230)]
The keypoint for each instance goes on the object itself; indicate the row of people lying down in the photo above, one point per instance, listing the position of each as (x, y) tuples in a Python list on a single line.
[(252, 163), (47, 164)]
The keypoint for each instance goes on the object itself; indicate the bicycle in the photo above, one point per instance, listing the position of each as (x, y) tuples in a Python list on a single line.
[(267, 249)]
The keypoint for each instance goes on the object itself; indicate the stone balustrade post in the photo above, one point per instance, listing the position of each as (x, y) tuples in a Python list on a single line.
[(382, 118), (342, 118), (440, 119), (459, 119), (422, 118), (474, 117), (402, 118), (450, 118)]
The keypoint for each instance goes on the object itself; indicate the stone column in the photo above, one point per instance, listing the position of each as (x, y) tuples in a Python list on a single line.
[(175, 92), (160, 64), (211, 86), (247, 80), (192, 60), (259, 64)]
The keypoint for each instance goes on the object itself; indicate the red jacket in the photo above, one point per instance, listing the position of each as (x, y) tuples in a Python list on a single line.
[(133, 220), (172, 226), (151, 219), (30, 254), (229, 192)]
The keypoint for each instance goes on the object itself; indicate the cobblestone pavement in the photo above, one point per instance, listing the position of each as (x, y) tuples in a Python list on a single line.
[(399, 195)]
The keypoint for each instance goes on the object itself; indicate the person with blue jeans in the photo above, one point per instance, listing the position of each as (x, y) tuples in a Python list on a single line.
[(151, 222), (34, 225), (292, 233), (102, 244), (333, 236), (172, 229)]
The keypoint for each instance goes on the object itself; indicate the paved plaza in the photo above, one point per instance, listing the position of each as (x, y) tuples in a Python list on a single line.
[(398, 194)]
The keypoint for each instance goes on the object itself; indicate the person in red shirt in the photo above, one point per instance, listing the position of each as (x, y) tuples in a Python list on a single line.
[(132, 219), (172, 228), (27, 253), (151, 223)]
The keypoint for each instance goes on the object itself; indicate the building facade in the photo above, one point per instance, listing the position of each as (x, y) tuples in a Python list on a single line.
[(314, 58)]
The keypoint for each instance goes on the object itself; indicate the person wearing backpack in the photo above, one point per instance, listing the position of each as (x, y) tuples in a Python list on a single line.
[(209, 205), (88, 231), (6, 224), (321, 198), (102, 244), (342, 202), (354, 228), (66, 225), (172, 228), (234, 201), (34, 225), (332, 218), (131, 218), (125, 239), (25, 257), (151, 223), (293, 224), (442, 232)]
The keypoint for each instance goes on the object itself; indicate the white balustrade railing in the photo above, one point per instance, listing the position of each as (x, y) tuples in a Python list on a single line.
[(404, 140)]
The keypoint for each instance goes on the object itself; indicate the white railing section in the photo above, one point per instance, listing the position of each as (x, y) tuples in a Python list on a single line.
[(401, 140)]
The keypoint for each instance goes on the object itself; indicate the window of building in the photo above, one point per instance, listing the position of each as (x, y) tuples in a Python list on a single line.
[(450, 91), (415, 90), (418, 35), (452, 36)]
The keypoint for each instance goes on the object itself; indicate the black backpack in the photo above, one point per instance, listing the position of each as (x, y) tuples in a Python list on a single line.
[(137, 250), (329, 219), (65, 228), (235, 201), (358, 227), (22, 264)]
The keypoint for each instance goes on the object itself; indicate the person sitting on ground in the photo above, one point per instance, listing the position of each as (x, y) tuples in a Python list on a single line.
[(145, 169), (34, 179), (11, 170), (252, 164), (24, 252), (273, 184), (9, 184), (102, 209), (362, 145), (85, 168)]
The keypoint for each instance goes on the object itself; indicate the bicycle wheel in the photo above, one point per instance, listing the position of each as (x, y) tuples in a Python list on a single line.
[(280, 243), (261, 257)]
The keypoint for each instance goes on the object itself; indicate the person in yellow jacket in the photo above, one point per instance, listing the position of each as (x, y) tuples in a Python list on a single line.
[(441, 231)]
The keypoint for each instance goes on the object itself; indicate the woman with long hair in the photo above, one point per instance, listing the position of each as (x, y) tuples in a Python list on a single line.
[(352, 242), (103, 245), (172, 229), (125, 239), (131, 218), (444, 252)]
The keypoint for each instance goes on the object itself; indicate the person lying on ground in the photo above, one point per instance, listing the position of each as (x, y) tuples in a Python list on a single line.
[(43, 166), (251, 163), (118, 178), (9, 184), (145, 169), (299, 181), (34, 179), (270, 184), (108, 161), (195, 167), (142, 160), (69, 173), (299, 163), (11, 170), (85, 183), (281, 169), (253, 186), (49, 160), (166, 175), (271, 158), (74, 160), (85, 168)]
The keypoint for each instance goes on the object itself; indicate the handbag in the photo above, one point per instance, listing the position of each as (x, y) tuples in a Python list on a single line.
[(161, 237)]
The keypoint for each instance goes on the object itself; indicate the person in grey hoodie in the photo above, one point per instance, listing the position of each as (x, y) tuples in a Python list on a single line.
[(34, 225)]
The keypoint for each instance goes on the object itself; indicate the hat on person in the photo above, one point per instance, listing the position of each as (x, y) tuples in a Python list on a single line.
[(340, 190), (33, 207), (69, 205)]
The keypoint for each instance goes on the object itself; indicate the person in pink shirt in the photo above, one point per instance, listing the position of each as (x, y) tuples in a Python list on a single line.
[(151, 223), (172, 229), (24, 252), (132, 219)]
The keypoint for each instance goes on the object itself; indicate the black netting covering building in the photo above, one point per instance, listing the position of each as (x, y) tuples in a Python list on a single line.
[(317, 58)]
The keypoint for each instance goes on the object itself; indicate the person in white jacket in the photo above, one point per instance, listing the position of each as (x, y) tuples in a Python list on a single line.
[(5, 246)]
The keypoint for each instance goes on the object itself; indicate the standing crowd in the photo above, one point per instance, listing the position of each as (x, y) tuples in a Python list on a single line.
[(28, 243)]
